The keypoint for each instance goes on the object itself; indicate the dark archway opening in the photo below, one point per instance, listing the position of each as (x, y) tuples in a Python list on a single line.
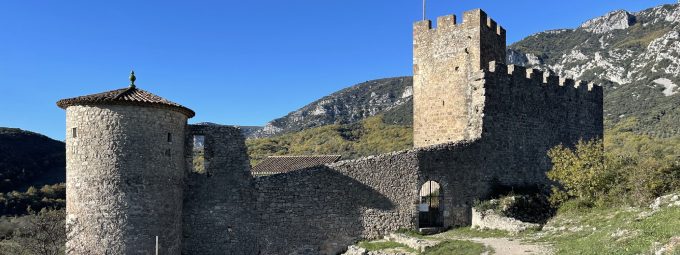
[(430, 206)]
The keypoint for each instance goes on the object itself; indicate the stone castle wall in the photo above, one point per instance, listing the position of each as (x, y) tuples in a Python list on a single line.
[(324, 209), (219, 214), (526, 113), (124, 179)]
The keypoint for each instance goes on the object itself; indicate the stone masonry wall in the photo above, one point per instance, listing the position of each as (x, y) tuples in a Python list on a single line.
[(444, 59), (526, 113), (219, 216), (124, 179), (324, 209)]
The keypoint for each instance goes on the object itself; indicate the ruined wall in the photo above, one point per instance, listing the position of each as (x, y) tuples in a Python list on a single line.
[(124, 179), (445, 108), (324, 209), (218, 215)]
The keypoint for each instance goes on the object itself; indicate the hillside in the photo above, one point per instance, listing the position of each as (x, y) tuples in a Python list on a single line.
[(367, 137), (349, 105), (29, 159), (635, 56)]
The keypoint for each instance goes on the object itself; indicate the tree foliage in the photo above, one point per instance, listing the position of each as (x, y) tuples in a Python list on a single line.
[(624, 167)]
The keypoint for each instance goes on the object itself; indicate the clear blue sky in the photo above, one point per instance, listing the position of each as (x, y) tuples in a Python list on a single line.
[(233, 62)]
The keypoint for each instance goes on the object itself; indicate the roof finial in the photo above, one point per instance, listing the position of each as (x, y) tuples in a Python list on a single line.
[(132, 79)]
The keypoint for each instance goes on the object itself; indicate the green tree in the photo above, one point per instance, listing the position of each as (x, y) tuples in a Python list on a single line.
[(582, 172)]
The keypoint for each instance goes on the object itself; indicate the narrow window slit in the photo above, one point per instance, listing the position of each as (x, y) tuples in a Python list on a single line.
[(198, 154)]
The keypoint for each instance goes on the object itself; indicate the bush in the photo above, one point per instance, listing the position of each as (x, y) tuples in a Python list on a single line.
[(18, 203), (581, 172), (626, 167), (41, 233)]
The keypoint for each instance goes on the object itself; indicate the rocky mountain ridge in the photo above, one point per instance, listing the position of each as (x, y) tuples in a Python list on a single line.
[(348, 105)]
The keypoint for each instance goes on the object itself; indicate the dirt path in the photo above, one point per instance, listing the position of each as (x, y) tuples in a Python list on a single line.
[(506, 246)]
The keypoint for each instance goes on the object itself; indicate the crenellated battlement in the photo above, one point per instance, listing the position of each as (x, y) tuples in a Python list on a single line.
[(539, 78), (471, 19)]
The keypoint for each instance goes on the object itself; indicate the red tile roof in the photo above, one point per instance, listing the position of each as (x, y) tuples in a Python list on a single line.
[(284, 164), (127, 96)]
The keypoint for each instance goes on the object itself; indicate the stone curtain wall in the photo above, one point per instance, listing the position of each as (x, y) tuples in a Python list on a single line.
[(444, 61), (124, 179), (524, 115), (219, 209), (324, 209), (527, 113)]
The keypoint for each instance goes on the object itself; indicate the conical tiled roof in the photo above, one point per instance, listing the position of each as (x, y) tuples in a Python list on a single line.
[(126, 96)]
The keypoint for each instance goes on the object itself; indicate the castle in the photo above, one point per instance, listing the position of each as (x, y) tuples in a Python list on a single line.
[(479, 126)]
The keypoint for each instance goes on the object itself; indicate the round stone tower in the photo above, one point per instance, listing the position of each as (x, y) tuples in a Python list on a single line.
[(124, 172)]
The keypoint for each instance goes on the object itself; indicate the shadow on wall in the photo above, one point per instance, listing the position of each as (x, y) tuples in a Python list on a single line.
[(314, 210)]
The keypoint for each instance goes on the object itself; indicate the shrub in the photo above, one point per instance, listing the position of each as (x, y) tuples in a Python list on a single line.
[(581, 172), (626, 167), (42, 233)]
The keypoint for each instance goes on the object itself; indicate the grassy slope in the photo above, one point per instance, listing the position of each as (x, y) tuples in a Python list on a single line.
[(368, 137), (611, 230)]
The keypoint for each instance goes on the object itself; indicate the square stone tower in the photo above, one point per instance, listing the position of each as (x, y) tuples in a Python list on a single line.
[(445, 97)]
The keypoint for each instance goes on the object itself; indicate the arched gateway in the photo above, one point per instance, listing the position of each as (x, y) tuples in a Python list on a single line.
[(430, 206)]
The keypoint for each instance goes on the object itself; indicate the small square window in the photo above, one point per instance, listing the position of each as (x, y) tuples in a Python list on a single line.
[(74, 132), (169, 137)]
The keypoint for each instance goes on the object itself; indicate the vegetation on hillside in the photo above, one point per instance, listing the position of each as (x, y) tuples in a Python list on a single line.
[(28, 158), (624, 168), (42, 233), (368, 137), (20, 203)]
